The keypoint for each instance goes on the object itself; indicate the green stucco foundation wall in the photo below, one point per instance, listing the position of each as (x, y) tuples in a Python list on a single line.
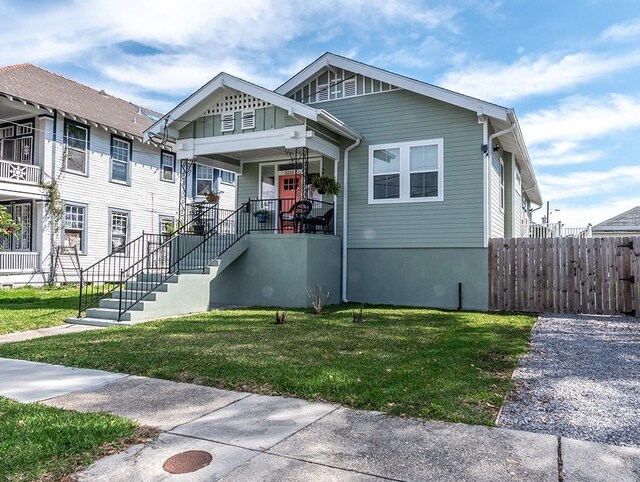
[(419, 277), (276, 270)]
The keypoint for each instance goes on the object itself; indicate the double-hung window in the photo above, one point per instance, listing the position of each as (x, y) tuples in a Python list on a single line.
[(204, 179), (76, 138), (406, 172), (167, 166), (75, 227), (120, 157), (119, 229)]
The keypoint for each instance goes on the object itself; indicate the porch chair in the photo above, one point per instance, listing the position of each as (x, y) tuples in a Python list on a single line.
[(312, 223), (295, 217)]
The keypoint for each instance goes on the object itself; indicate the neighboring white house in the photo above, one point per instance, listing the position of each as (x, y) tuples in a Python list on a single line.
[(112, 185)]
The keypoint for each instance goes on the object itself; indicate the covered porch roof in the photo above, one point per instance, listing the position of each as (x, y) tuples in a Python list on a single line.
[(223, 84)]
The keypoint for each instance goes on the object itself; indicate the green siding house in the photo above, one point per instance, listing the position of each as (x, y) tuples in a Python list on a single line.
[(427, 176)]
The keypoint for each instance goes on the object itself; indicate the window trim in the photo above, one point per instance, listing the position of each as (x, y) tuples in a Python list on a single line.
[(164, 152), (84, 244), (127, 182), (405, 172), (164, 217), (66, 146), (128, 235)]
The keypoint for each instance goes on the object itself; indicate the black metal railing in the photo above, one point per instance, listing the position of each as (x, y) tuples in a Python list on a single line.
[(185, 252), (286, 216), (103, 277)]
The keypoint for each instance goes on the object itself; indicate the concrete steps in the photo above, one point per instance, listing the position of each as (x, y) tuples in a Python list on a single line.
[(180, 294)]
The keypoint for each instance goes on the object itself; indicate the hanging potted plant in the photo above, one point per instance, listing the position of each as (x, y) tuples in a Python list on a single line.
[(213, 197), (261, 214), (325, 185)]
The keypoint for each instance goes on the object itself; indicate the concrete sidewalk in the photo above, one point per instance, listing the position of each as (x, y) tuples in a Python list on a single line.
[(42, 332), (255, 437)]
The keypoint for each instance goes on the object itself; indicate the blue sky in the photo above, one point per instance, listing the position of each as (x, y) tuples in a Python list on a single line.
[(571, 69)]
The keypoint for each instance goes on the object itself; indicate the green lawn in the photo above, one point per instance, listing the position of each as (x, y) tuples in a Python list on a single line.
[(44, 443), (444, 365), (30, 308)]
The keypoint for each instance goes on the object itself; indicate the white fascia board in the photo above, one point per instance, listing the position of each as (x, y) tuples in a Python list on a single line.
[(219, 164), (323, 146), (438, 93), (191, 107), (286, 137), (534, 191)]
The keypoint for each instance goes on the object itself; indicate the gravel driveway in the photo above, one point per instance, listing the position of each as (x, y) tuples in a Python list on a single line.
[(580, 379)]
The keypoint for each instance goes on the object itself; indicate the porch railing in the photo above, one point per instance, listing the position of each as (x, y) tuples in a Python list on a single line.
[(320, 219), (103, 277), (19, 262), (19, 172), (17, 150)]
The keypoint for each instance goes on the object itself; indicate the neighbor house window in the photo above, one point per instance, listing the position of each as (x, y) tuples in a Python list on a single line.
[(119, 229), (167, 166), (120, 157), (206, 177), (406, 172), (76, 138), (75, 227), (19, 240)]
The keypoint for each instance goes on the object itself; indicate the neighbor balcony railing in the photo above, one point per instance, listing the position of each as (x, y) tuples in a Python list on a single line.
[(553, 230), (19, 262)]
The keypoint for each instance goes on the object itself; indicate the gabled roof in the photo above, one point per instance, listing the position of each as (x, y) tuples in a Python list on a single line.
[(407, 83), (194, 105), (626, 221), (37, 86), (501, 117)]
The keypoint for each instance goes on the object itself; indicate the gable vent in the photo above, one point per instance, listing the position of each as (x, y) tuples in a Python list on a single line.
[(350, 88), (248, 120), (323, 93), (227, 122)]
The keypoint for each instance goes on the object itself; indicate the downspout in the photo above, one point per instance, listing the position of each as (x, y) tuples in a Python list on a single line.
[(488, 165), (345, 205)]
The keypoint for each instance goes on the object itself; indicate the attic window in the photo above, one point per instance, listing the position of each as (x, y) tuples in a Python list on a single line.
[(227, 122), (248, 120), (350, 87)]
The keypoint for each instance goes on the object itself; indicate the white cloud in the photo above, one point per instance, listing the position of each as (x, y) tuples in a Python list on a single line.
[(579, 214), (578, 184), (565, 153), (580, 118), (534, 75), (622, 32)]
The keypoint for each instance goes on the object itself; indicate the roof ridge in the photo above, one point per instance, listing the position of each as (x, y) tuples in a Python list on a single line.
[(101, 91)]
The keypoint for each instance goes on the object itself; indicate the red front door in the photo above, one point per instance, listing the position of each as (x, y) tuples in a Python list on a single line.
[(289, 192)]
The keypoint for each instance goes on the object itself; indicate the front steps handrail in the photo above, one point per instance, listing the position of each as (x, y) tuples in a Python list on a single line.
[(101, 278), (168, 259)]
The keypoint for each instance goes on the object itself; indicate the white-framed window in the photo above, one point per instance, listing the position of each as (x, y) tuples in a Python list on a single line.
[(6, 131), (406, 172), (76, 138), (518, 181), (120, 157), (119, 229), (74, 226), (167, 225), (227, 122), (206, 177), (501, 184), (248, 119), (20, 240), (167, 166)]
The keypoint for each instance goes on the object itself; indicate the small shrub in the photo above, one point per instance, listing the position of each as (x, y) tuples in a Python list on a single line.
[(356, 315), (281, 317), (318, 298)]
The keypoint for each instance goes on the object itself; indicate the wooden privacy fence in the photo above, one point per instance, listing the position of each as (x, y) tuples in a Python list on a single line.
[(565, 275)]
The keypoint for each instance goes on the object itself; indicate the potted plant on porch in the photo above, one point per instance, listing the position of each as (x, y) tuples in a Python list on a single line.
[(261, 214), (325, 185), (213, 196)]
